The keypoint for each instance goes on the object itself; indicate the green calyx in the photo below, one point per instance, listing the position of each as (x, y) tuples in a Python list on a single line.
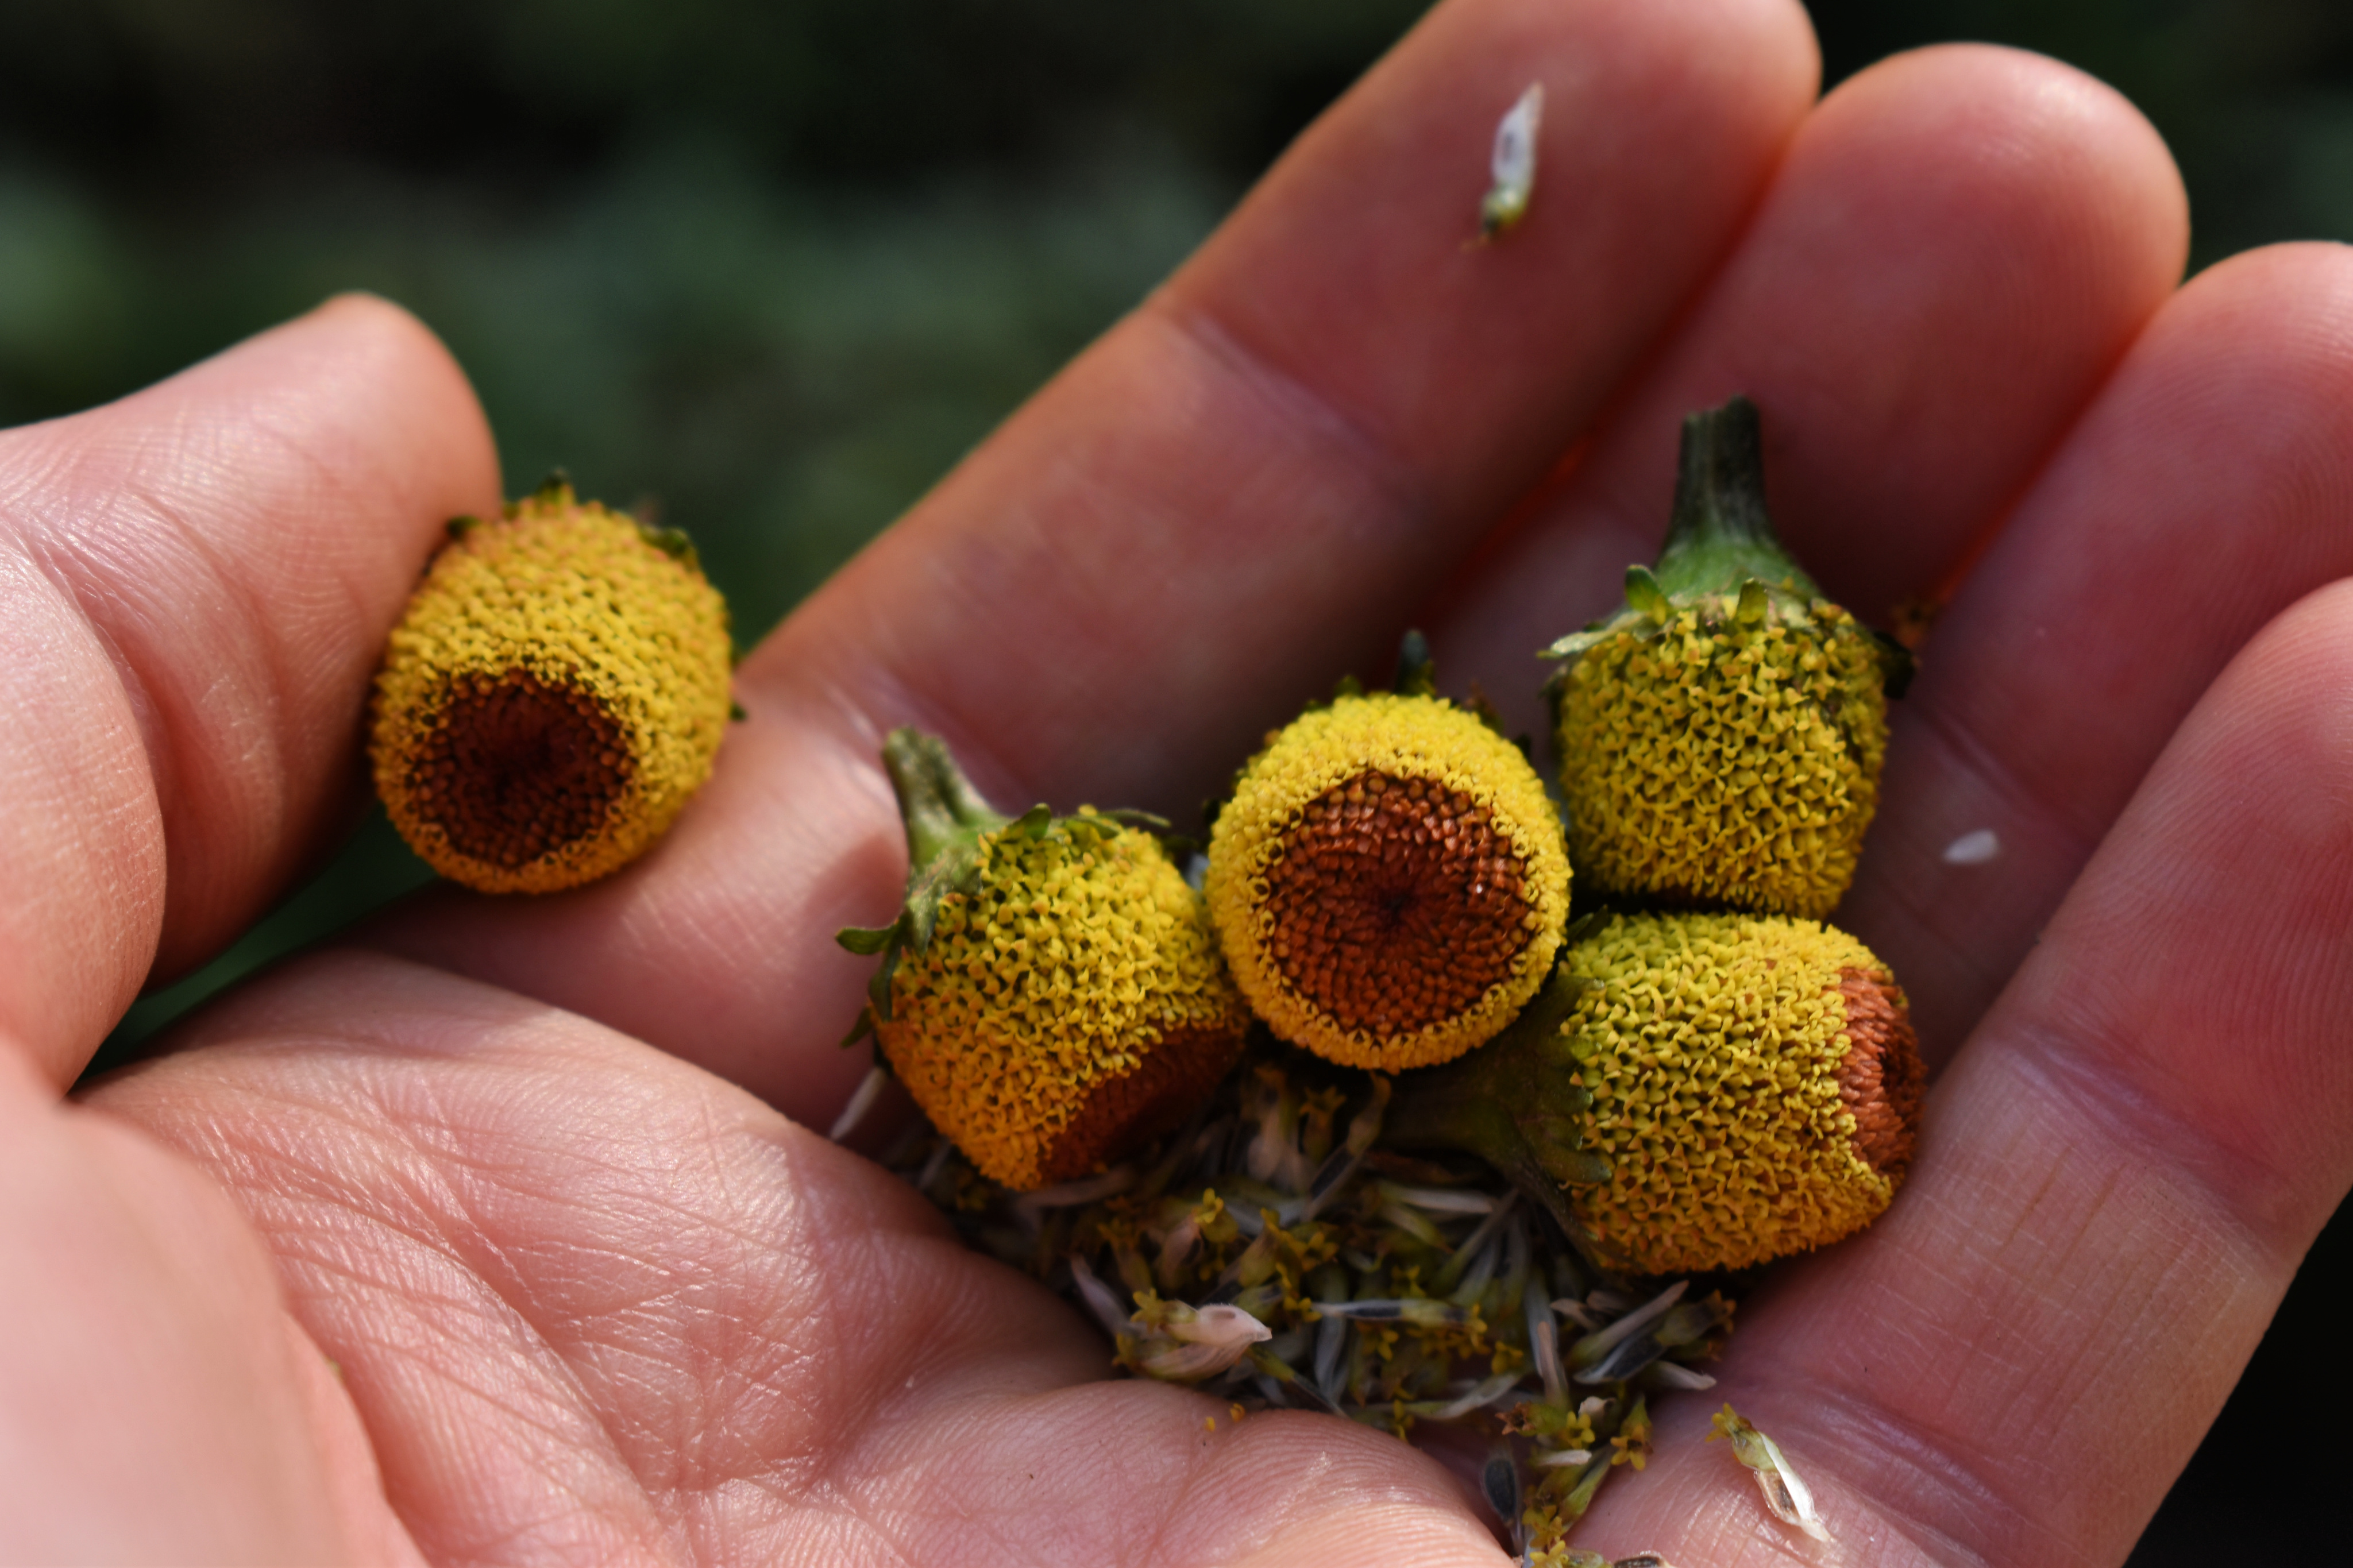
[(950, 829), (1722, 557)]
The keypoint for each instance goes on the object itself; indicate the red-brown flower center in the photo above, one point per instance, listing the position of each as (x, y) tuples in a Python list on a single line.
[(1881, 1081), (1396, 903), (518, 768)]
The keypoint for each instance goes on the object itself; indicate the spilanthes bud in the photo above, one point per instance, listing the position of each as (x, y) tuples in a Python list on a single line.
[(1693, 1091), (1388, 879), (554, 695), (1052, 994), (1721, 736)]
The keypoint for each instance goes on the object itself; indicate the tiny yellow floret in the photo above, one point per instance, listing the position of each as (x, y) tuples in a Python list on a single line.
[(554, 695), (1070, 1004), (1389, 881), (1756, 1087)]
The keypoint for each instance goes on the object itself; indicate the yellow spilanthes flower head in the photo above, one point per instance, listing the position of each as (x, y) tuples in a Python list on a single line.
[(1388, 880), (1721, 737), (1052, 995), (1709, 759), (1754, 1086), (554, 693), (1693, 1092)]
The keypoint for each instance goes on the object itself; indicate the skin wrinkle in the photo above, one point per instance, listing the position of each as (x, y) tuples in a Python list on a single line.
[(84, 857), (140, 702), (169, 730), (508, 1302), (855, 1235), (2224, 1181)]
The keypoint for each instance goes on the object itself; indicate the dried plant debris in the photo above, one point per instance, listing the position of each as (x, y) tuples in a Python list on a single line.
[(1512, 166), (1275, 1251), (1789, 1499)]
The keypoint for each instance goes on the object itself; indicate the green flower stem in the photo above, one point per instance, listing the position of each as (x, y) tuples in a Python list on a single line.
[(939, 805), (1721, 534)]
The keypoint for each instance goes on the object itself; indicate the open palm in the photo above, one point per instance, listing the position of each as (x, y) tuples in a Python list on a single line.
[(496, 1233)]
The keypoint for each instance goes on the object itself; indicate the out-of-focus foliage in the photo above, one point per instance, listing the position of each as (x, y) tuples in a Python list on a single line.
[(772, 266)]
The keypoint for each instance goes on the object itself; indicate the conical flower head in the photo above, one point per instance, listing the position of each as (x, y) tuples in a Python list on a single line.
[(553, 696), (1697, 1091), (1756, 1087), (1388, 880), (1052, 993), (1721, 737)]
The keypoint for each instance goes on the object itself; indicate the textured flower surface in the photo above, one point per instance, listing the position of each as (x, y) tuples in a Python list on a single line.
[(1710, 758), (555, 694), (1721, 735), (1754, 1083), (1389, 881), (1070, 1002)]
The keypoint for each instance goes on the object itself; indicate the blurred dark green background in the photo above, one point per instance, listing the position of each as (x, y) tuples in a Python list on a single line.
[(774, 266)]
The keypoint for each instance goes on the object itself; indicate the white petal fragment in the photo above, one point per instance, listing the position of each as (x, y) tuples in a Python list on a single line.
[(1099, 1297), (1973, 849), (1512, 167), (1676, 1375), (1223, 1327), (1563, 1457), (1786, 1495), (869, 1090)]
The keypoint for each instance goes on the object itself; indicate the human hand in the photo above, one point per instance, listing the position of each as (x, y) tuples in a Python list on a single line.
[(587, 1297)]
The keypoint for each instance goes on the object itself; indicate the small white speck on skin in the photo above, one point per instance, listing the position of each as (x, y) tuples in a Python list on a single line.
[(1973, 849)]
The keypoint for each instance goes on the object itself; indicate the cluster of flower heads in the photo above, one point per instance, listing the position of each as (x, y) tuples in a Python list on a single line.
[(1369, 1123), (1348, 1114)]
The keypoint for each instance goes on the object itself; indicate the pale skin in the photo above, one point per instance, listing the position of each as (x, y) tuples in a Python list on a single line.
[(498, 1233)]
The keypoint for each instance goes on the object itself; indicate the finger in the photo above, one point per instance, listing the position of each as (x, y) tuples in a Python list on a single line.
[(2202, 493), (1216, 509), (159, 1407), (1959, 247), (2118, 1179), (590, 1300), (195, 584)]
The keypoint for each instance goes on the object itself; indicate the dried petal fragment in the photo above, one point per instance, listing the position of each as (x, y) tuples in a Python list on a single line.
[(1786, 1495), (1512, 167)]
